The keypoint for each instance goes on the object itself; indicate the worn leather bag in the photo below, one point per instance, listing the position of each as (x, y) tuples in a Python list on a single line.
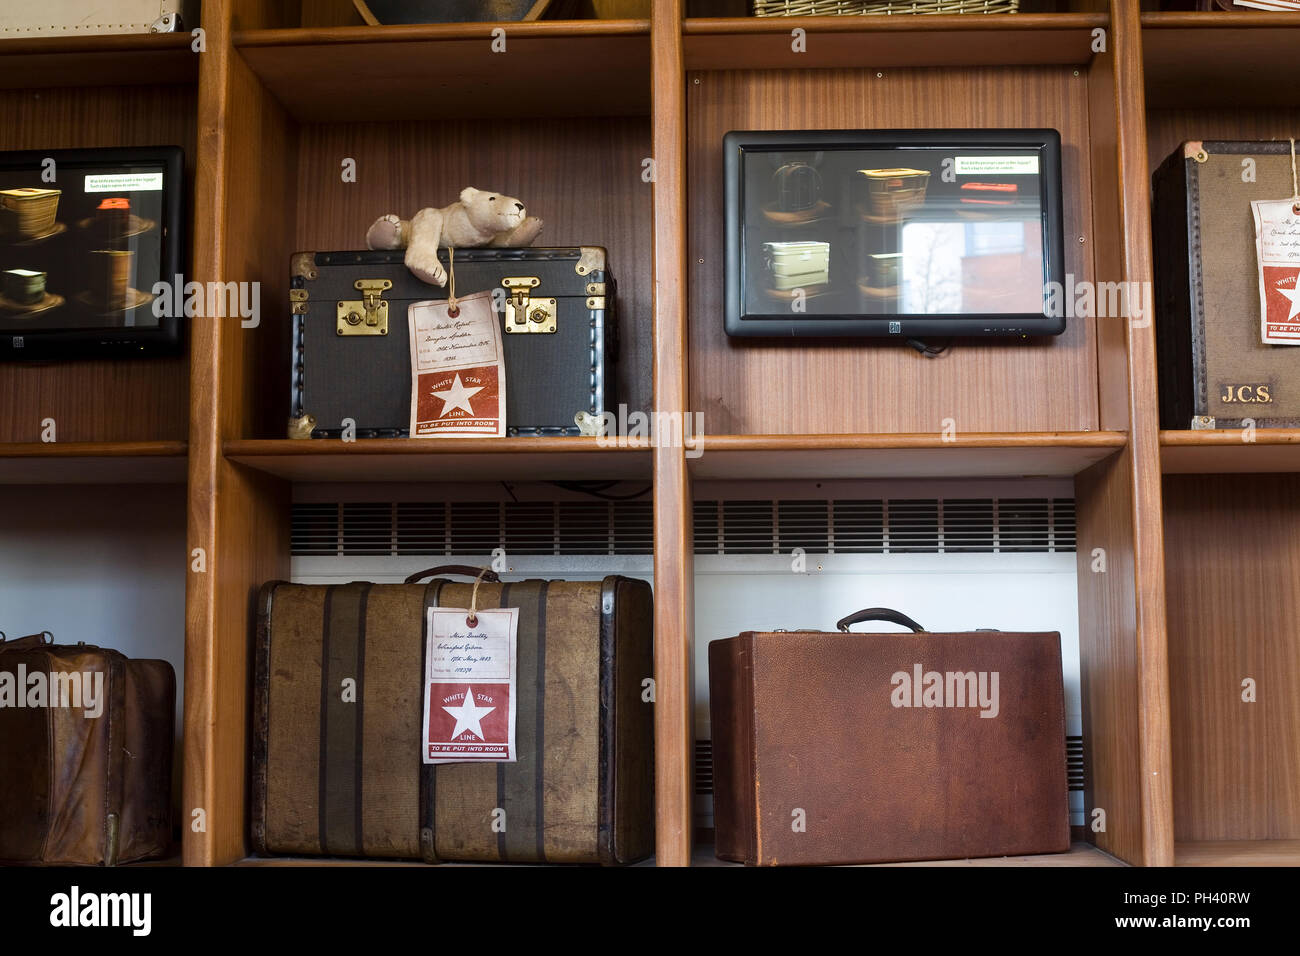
[(86, 739), (867, 748)]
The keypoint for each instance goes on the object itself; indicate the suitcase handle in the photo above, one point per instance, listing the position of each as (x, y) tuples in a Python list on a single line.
[(44, 637), (487, 574), (878, 614)]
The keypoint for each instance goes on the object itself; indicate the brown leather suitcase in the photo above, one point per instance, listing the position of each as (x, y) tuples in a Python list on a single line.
[(87, 761), (1214, 369), (338, 778), (841, 748)]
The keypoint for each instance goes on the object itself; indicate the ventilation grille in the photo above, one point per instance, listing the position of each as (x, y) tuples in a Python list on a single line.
[(760, 526), (1074, 762), (886, 526), (443, 528), (704, 765)]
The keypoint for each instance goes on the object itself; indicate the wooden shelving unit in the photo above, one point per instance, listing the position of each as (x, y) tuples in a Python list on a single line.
[(92, 463), (472, 459), (1200, 529), (1013, 455)]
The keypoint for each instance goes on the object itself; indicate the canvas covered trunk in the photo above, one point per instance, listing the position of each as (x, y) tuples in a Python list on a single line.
[(339, 778), (86, 754), (867, 748), (1215, 370)]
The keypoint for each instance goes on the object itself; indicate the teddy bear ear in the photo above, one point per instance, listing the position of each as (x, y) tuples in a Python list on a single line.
[(468, 193)]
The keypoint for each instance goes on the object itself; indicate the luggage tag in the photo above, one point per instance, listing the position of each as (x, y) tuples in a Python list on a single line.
[(1277, 245), (469, 686), (458, 381)]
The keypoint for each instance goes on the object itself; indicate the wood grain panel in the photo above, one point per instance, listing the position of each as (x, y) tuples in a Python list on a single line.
[(1232, 559), (582, 177), (1220, 451), (749, 387), (1220, 59), (149, 59), (1239, 853), (467, 459), (674, 551), (92, 463), (847, 41), (899, 456), (450, 70), (1103, 135), (98, 400), (1108, 659), (1154, 777), (237, 516), (1167, 129)]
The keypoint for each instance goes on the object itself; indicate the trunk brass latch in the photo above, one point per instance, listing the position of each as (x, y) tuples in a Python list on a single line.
[(367, 315), (525, 313)]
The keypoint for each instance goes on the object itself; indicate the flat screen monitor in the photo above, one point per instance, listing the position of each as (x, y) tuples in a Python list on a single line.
[(85, 238), (896, 233)]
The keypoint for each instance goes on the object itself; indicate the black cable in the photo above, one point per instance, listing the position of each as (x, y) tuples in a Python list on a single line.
[(928, 350), (583, 487)]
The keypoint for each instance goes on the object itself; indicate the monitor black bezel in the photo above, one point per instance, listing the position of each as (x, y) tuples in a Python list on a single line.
[(863, 325), (163, 339)]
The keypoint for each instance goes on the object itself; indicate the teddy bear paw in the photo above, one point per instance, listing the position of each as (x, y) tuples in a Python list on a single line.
[(426, 268), (385, 233)]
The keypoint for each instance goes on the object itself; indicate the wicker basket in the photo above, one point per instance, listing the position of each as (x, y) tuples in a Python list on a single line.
[(859, 8)]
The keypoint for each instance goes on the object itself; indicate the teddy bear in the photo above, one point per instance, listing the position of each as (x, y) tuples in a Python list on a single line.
[(480, 218)]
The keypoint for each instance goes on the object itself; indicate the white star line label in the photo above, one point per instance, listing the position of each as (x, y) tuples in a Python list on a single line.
[(1277, 249), (468, 716), (1294, 295), (471, 669), (458, 369), (457, 396)]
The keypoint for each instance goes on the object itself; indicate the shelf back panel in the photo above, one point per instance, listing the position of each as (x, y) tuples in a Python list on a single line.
[(1232, 559), (582, 177), (98, 399), (1045, 384)]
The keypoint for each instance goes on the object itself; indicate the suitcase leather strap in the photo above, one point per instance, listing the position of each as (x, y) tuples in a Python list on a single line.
[(878, 614)]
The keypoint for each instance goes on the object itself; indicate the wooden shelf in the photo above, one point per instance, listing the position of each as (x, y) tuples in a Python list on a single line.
[(1238, 853), (92, 463), (1047, 454), (1220, 59), (1079, 854), (132, 59), (1222, 451), (467, 459), (765, 43), (438, 71)]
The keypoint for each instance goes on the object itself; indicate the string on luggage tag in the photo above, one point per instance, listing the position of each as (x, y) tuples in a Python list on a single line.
[(471, 619), (453, 309), (1295, 181)]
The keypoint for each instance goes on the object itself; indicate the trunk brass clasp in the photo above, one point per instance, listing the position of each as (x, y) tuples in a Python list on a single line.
[(525, 313), (367, 315)]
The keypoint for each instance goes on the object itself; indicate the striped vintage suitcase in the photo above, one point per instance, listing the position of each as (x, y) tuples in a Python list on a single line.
[(333, 777)]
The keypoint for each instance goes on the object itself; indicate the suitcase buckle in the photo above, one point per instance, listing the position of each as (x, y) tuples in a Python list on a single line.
[(367, 315), (523, 312)]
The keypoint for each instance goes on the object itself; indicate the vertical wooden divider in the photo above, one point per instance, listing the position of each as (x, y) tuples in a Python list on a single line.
[(1144, 445), (673, 548), (1123, 641), (239, 518)]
